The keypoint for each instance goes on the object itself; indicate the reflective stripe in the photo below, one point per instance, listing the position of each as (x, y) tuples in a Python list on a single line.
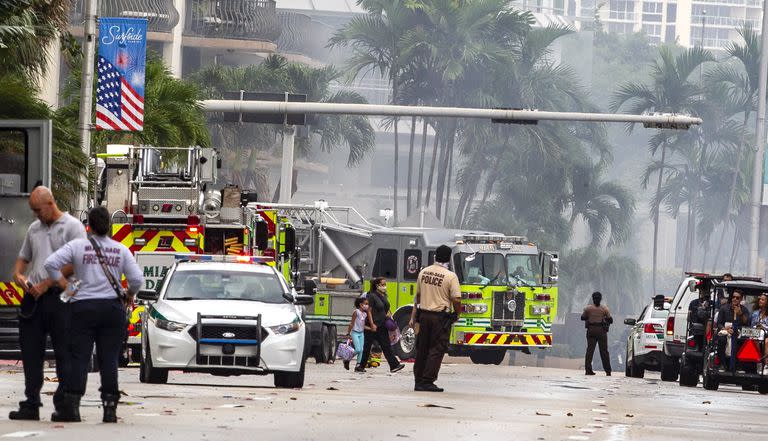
[(507, 339), (10, 294)]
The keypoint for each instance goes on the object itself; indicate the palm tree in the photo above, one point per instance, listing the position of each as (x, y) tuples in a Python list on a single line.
[(672, 89), (741, 83), (27, 28)]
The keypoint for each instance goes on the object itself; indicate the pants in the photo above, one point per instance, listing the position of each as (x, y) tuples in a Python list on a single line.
[(431, 345), (47, 315), (382, 336), (597, 335), (102, 322), (358, 339)]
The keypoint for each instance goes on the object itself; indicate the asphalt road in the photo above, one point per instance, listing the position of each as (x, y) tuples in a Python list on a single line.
[(480, 403)]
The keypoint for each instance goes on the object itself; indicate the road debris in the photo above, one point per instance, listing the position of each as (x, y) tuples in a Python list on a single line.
[(542, 413), (434, 405)]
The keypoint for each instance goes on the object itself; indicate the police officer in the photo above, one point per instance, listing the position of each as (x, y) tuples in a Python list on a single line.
[(98, 308), (597, 318), (42, 312), (437, 291)]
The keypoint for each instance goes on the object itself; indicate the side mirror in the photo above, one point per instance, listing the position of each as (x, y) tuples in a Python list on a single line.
[(262, 235), (697, 329), (290, 239), (148, 295), (310, 288), (303, 299), (554, 267), (630, 322)]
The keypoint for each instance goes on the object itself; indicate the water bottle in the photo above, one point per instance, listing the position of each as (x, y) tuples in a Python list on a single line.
[(72, 288)]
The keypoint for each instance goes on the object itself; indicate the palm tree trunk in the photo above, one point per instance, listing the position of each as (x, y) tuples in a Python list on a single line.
[(435, 146), (466, 196), (691, 236), (656, 217), (449, 179), (421, 162), (409, 192), (444, 167), (734, 248), (732, 190)]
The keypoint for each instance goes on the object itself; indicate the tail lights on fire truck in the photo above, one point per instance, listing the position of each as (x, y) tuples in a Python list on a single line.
[(474, 308)]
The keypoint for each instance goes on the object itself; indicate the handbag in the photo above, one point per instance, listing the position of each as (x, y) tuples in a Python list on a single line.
[(345, 351), (116, 286)]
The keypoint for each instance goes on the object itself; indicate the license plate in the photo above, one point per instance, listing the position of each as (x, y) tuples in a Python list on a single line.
[(751, 333)]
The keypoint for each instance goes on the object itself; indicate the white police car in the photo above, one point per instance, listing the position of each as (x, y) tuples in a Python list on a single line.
[(224, 315)]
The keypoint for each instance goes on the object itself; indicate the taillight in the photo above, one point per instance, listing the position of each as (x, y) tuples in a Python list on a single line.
[(471, 295), (477, 308), (670, 325), (543, 297), (648, 328), (691, 343)]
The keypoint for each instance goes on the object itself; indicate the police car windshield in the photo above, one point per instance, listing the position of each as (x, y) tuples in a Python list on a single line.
[(229, 285), (524, 268), (483, 269)]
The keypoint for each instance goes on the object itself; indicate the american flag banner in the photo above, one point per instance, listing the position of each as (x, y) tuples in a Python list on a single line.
[(120, 74)]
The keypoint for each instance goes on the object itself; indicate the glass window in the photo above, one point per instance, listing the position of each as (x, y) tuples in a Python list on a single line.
[(225, 285), (385, 264), (482, 269), (671, 12), (13, 160), (659, 313), (670, 36), (430, 258), (411, 264), (524, 268)]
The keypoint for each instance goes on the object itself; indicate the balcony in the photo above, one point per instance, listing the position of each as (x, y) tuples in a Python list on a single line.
[(233, 19), (160, 14)]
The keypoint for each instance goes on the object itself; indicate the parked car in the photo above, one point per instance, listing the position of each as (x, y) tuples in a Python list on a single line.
[(645, 342)]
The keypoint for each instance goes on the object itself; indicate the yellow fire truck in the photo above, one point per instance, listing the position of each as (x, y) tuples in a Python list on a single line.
[(509, 286)]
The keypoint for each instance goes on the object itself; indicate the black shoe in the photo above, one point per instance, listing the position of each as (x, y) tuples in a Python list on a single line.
[(109, 402), (397, 368), (25, 413), (359, 369), (589, 373), (346, 364), (607, 373), (427, 387), (68, 411)]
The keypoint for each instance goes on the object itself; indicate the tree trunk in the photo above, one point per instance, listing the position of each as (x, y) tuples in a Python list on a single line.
[(434, 161), (421, 163), (691, 236), (469, 192), (656, 217), (734, 249), (448, 180), (409, 192), (443, 170), (732, 191)]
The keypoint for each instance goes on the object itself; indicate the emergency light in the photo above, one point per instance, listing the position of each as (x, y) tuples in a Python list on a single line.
[(219, 258)]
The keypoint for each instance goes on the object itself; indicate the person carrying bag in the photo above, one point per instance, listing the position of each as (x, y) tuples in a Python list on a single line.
[(97, 308)]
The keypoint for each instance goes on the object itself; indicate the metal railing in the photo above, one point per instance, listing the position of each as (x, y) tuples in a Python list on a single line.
[(161, 15), (240, 19)]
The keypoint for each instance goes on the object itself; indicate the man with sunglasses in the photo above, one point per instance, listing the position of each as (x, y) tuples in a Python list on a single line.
[(732, 314)]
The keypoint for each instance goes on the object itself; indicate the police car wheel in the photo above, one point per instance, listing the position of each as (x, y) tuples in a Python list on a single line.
[(290, 380)]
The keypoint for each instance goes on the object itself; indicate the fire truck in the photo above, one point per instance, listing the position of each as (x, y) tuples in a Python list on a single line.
[(509, 286), (166, 201)]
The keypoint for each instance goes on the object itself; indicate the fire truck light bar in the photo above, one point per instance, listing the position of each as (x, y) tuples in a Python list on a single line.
[(219, 258)]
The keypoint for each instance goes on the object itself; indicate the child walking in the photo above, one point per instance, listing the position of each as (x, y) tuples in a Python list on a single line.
[(356, 329)]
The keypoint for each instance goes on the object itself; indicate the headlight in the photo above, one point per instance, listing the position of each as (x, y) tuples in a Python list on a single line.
[(170, 325), (288, 327)]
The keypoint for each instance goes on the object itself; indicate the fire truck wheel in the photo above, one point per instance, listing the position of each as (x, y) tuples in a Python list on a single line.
[(322, 351), (406, 347), (488, 356)]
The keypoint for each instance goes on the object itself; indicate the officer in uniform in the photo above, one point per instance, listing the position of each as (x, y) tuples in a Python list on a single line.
[(98, 308), (42, 311), (597, 318), (437, 291)]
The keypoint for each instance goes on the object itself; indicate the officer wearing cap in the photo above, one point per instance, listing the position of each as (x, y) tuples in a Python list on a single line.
[(438, 291), (42, 311), (597, 319)]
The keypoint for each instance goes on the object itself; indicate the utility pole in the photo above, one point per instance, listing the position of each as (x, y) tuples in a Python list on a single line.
[(757, 173), (286, 167), (86, 95)]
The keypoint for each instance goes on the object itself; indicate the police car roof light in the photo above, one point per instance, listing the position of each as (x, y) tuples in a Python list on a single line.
[(220, 258)]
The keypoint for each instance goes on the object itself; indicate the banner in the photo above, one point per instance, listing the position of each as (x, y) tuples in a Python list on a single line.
[(120, 74)]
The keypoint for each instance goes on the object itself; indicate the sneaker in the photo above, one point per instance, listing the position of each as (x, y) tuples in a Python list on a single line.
[(427, 387), (397, 368), (346, 364)]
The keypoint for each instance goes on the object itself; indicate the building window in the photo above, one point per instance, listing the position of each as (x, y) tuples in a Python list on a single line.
[(669, 36), (621, 28), (621, 10), (671, 12)]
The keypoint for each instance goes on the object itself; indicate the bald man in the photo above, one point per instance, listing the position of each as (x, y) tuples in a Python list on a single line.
[(42, 311)]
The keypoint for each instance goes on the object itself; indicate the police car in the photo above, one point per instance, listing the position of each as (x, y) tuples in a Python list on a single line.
[(645, 342), (224, 315)]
